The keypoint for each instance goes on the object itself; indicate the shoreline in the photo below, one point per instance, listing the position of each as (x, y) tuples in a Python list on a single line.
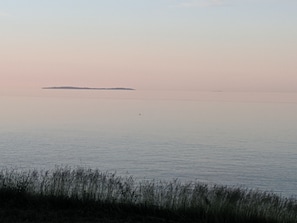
[(87, 88)]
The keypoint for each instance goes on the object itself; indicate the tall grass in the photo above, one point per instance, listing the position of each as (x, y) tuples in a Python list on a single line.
[(198, 199)]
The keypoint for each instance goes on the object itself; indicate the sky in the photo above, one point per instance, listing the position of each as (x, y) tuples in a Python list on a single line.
[(228, 45)]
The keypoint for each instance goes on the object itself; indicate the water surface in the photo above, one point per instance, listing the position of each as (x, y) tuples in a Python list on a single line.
[(241, 138)]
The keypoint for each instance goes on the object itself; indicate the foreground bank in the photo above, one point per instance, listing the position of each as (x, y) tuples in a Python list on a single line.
[(86, 195)]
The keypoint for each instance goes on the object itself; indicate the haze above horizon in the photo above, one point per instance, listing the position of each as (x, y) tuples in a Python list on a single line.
[(226, 45)]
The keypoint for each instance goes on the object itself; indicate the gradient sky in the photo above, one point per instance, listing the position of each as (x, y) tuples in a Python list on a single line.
[(248, 45)]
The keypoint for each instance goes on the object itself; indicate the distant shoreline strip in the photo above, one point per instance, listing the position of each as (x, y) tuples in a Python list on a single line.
[(87, 88)]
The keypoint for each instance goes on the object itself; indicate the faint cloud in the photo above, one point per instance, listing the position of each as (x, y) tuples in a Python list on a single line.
[(4, 14), (215, 3), (198, 3)]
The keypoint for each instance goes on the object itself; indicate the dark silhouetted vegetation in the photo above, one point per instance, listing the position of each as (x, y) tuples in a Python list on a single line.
[(86, 195)]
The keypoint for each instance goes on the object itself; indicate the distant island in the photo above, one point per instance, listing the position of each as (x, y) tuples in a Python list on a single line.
[(87, 88)]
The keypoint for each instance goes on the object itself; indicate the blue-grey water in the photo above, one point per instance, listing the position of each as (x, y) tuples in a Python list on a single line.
[(246, 139)]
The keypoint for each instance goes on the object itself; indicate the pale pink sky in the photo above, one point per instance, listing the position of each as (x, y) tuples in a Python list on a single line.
[(164, 44)]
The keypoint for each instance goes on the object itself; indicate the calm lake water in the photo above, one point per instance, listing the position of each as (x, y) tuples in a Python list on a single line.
[(246, 139)]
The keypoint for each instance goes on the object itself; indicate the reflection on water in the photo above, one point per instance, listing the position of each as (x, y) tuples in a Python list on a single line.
[(230, 138)]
